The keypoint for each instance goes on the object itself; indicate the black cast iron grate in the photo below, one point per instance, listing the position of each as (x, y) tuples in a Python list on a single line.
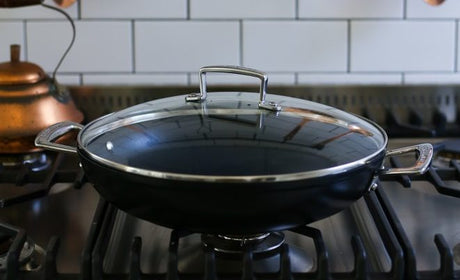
[(21, 183), (437, 177), (395, 241), (398, 246), (92, 266)]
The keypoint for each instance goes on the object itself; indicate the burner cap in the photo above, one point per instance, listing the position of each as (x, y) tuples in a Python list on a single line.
[(33, 162), (232, 244)]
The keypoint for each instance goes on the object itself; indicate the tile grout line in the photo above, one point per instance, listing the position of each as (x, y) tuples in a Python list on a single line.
[(456, 47), (241, 60), (348, 46), (79, 10), (297, 13), (404, 10), (26, 42), (133, 46)]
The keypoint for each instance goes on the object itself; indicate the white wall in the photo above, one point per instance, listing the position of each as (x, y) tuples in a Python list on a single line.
[(158, 42)]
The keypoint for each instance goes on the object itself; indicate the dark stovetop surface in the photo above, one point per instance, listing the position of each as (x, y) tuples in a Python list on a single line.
[(379, 232), (406, 229)]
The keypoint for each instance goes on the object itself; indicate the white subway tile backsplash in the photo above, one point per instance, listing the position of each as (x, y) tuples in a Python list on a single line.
[(185, 46), (37, 12), (349, 79), (457, 42), (100, 46), (420, 9), (134, 9), (398, 46), (432, 79), (295, 45), (306, 42), (135, 79), (11, 33), (68, 80), (235, 9), (351, 9)]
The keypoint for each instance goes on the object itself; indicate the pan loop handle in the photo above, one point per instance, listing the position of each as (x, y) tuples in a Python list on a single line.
[(46, 137), (421, 165), (195, 97)]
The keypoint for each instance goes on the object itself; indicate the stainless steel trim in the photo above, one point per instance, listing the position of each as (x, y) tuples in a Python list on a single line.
[(235, 179), (374, 184), (45, 137), (260, 244), (194, 97), (421, 165), (243, 240)]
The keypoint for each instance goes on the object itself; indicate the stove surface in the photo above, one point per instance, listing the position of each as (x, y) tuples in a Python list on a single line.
[(85, 224), (406, 229)]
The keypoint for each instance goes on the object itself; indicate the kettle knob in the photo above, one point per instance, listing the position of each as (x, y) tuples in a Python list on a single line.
[(15, 51)]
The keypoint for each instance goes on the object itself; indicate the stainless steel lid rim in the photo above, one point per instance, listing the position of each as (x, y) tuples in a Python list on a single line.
[(143, 112), (340, 169)]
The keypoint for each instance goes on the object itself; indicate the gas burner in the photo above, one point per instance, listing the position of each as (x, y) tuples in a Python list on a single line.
[(264, 243), (34, 162), (264, 252), (30, 258)]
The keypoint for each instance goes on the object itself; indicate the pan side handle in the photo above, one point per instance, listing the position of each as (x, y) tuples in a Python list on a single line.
[(46, 137), (421, 165)]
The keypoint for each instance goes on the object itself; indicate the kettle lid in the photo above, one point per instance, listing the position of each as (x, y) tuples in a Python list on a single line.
[(15, 72)]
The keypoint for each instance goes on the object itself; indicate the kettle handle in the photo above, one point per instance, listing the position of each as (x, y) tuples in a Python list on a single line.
[(46, 137)]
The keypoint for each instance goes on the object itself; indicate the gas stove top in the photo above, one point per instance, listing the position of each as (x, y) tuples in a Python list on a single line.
[(53, 224)]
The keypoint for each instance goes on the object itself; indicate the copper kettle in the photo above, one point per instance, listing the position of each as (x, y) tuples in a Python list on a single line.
[(29, 102)]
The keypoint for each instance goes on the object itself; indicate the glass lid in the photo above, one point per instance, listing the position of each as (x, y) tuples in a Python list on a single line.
[(230, 134)]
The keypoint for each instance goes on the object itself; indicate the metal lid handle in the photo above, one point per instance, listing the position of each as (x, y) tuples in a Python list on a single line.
[(234, 70)]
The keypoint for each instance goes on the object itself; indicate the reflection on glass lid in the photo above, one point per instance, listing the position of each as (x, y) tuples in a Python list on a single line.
[(222, 137)]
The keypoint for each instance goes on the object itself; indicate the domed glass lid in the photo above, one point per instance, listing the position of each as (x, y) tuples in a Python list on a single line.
[(229, 135)]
